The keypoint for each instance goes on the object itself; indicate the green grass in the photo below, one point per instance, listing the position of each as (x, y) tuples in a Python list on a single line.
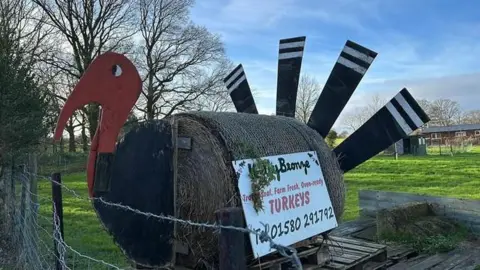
[(444, 175), (82, 229), (439, 242), (453, 176)]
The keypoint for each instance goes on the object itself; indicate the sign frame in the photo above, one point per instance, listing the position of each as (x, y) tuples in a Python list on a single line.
[(296, 204)]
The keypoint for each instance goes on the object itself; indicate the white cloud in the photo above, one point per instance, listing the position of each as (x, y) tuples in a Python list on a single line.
[(241, 20), (444, 66)]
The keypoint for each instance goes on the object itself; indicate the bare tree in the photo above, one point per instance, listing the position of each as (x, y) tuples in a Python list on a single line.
[(88, 28), (32, 33), (219, 102), (308, 92), (355, 118), (425, 104), (59, 89), (180, 62), (444, 112), (471, 117)]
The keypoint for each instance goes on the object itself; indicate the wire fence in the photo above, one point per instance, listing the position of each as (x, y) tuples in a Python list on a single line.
[(452, 147), (31, 233)]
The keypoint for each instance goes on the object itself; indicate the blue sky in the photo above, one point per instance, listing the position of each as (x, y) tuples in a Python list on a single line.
[(432, 47)]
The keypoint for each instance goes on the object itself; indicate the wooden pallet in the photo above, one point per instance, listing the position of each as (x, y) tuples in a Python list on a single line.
[(337, 253), (314, 254), (348, 253)]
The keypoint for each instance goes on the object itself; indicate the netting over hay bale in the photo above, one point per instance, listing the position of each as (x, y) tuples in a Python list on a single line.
[(206, 180)]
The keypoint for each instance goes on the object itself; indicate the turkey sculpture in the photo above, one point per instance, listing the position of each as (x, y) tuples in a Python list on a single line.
[(181, 165)]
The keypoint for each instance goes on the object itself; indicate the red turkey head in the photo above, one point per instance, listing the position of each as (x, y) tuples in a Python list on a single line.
[(112, 81)]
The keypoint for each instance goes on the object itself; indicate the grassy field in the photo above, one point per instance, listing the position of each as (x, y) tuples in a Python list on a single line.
[(455, 176)]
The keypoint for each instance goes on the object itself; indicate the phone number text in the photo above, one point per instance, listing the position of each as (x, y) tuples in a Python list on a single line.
[(295, 224)]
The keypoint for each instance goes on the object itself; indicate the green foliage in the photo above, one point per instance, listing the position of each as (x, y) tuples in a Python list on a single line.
[(442, 242), (331, 138), (22, 102), (262, 174)]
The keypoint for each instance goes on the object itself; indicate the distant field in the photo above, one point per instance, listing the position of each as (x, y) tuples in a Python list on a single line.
[(455, 176)]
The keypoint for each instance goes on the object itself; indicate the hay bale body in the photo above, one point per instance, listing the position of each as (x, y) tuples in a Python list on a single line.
[(206, 179)]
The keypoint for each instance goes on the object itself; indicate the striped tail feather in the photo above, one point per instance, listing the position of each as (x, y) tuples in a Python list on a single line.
[(396, 120), (290, 55), (352, 64), (239, 90)]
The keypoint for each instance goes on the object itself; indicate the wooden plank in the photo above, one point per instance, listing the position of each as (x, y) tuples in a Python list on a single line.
[(406, 264), (338, 251), (357, 242), (345, 253), (429, 262), (354, 247), (369, 234), (312, 267), (374, 265), (320, 257), (280, 260), (399, 252), (334, 265), (343, 259), (347, 228), (454, 259)]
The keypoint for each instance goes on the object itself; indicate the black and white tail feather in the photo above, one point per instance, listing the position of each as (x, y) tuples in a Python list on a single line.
[(396, 120)]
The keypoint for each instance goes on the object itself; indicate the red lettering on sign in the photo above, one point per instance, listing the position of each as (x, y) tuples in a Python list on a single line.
[(285, 203)]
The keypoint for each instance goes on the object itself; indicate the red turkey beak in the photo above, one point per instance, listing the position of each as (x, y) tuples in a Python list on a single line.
[(80, 96), (112, 81)]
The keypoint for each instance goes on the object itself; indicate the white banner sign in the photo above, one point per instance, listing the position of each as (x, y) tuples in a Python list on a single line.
[(296, 205)]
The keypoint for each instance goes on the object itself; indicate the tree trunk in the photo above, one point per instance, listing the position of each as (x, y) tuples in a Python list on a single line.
[(84, 134), (71, 138), (150, 113), (62, 146), (93, 113)]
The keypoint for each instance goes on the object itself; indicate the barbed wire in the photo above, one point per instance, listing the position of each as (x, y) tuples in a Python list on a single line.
[(285, 251)]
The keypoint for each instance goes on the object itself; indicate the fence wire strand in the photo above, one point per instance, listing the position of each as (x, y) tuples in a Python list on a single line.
[(35, 233)]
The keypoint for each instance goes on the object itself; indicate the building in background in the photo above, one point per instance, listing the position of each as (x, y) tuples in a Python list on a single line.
[(412, 145), (446, 134)]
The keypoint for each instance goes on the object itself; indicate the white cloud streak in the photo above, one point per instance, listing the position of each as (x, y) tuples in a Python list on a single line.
[(442, 68)]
